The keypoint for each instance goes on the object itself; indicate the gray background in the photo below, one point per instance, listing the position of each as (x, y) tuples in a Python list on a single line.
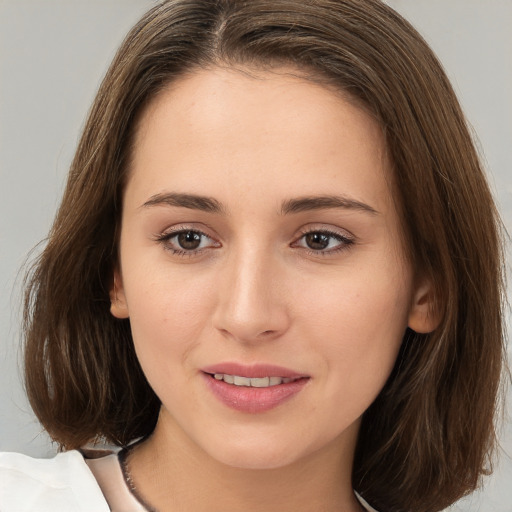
[(53, 54)]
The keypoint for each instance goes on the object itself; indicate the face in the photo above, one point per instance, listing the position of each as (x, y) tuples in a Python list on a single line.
[(261, 265)]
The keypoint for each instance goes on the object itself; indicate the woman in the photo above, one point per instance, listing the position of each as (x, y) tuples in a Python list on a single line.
[(276, 265)]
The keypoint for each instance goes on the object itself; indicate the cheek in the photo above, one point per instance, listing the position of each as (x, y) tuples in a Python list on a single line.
[(358, 325), (167, 314), (364, 300)]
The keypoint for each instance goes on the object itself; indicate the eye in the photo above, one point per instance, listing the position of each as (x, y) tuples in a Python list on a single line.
[(186, 241), (189, 240), (323, 242)]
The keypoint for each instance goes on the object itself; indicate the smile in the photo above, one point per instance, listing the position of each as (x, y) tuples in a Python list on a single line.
[(253, 389), (254, 382)]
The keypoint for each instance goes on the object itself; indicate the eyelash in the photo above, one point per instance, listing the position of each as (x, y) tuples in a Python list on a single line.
[(165, 238), (345, 241)]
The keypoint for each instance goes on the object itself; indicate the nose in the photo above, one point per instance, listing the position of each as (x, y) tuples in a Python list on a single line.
[(252, 303)]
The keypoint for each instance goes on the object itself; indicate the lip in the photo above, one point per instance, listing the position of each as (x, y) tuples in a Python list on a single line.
[(251, 399), (253, 371)]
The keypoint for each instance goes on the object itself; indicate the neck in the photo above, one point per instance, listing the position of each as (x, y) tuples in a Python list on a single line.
[(172, 473)]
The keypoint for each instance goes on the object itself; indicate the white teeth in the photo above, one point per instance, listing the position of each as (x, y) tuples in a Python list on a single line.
[(241, 381), (260, 383), (255, 382)]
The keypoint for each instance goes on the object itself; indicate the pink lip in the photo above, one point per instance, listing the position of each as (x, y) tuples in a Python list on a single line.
[(253, 371), (249, 399)]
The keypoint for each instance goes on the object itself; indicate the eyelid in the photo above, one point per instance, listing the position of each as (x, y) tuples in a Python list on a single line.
[(345, 238), (325, 228), (201, 228), (165, 236)]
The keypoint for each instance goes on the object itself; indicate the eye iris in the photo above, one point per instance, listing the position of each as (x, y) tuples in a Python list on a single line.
[(189, 240), (317, 241)]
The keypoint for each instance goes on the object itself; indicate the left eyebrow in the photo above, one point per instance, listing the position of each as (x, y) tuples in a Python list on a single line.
[(303, 204), (192, 201)]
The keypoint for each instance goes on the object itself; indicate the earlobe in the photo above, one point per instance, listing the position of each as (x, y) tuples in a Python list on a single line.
[(424, 316), (118, 306)]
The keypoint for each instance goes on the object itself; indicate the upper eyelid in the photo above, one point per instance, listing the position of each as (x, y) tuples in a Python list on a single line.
[(331, 230), (338, 236), (178, 228), (326, 231)]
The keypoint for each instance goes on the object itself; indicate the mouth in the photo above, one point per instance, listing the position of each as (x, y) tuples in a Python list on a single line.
[(253, 382), (253, 389)]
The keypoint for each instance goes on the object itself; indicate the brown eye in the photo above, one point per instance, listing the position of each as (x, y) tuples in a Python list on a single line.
[(317, 241), (324, 242), (189, 240)]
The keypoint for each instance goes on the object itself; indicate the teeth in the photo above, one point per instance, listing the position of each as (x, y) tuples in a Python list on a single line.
[(260, 383), (255, 382), (241, 381)]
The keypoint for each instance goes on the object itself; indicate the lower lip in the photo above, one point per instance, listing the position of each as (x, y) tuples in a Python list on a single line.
[(253, 400)]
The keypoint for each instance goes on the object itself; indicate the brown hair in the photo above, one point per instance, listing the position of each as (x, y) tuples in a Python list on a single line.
[(427, 438)]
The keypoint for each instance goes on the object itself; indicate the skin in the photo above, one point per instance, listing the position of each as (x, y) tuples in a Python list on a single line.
[(256, 292)]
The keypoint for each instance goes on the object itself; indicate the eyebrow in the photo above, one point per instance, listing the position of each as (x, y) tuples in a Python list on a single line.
[(290, 206), (303, 204), (192, 201)]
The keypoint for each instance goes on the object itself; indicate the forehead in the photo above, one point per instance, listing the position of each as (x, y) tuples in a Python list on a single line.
[(226, 130)]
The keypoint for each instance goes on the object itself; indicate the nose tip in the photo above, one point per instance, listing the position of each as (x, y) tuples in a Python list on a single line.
[(251, 304)]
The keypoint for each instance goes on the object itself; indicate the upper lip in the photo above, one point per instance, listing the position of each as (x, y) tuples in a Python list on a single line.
[(258, 370)]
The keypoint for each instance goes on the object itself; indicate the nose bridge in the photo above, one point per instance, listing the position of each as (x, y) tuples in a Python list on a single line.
[(250, 304)]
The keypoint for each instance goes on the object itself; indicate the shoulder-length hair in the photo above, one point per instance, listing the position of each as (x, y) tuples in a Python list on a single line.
[(426, 439)]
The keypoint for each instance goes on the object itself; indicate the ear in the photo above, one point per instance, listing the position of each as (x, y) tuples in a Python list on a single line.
[(118, 305), (424, 315)]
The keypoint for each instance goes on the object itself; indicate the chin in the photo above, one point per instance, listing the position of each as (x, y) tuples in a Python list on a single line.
[(255, 452), (256, 459)]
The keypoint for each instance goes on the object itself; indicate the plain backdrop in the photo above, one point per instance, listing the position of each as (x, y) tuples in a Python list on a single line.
[(53, 53)]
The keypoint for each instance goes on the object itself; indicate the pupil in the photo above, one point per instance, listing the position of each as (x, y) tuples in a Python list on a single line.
[(317, 241), (189, 240)]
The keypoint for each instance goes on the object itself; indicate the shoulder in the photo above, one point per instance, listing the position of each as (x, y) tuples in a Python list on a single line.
[(63, 483)]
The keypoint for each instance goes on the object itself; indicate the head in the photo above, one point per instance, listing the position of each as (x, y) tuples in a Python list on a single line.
[(83, 376)]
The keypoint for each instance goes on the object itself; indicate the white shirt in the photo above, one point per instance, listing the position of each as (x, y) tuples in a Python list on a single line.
[(64, 483), (68, 483)]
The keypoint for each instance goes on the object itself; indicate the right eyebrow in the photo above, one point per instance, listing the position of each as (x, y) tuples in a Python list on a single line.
[(192, 201), (303, 204)]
